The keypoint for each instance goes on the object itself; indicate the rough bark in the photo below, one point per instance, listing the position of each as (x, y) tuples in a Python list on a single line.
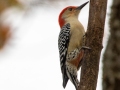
[(94, 37), (111, 60)]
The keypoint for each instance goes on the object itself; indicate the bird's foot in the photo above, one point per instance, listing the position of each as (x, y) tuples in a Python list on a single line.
[(85, 47)]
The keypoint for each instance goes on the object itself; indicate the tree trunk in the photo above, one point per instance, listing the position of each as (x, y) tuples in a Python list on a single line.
[(111, 60), (94, 37)]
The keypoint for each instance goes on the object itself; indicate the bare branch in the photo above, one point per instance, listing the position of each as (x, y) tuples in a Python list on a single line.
[(94, 36)]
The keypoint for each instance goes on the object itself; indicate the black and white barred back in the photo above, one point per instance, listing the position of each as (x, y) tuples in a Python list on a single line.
[(63, 42)]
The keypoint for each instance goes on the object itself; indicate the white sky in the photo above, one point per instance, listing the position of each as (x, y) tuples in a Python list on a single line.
[(30, 61)]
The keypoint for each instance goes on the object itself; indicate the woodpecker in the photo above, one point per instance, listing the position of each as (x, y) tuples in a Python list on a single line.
[(70, 43)]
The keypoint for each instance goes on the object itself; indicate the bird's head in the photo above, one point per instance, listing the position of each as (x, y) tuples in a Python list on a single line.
[(70, 11)]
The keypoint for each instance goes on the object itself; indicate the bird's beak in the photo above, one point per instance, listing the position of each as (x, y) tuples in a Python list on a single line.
[(81, 6)]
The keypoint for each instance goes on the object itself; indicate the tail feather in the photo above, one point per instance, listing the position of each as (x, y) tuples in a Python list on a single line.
[(73, 79), (65, 80), (65, 77)]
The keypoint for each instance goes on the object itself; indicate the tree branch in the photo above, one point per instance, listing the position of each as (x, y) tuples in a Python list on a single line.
[(94, 36)]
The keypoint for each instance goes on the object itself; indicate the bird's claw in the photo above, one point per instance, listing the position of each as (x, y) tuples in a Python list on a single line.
[(85, 47)]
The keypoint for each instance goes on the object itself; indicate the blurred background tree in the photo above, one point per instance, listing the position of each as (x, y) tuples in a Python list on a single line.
[(4, 4), (5, 28), (111, 60)]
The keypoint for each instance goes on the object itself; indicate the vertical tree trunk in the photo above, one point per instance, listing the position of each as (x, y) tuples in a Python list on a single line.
[(94, 36), (111, 60)]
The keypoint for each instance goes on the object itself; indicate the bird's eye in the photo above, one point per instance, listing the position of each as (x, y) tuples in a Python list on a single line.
[(70, 9)]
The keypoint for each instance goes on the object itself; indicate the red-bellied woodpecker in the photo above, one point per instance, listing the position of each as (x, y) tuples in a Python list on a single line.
[(70, 43)]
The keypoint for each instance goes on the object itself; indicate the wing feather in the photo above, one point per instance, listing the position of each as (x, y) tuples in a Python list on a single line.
[(63, 42)]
